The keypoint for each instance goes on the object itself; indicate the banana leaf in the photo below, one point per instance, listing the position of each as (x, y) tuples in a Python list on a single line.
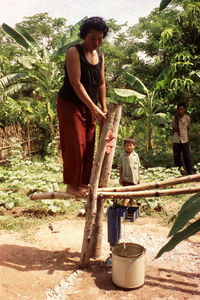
[(19, 38), (75, 28), (27, 61), (136, 83), (63, 40), (128, 93), (14, 89), (189, 209), (28, 37), (161, 79), (63, 50), (8, 79), (164, 3), (179, 237)]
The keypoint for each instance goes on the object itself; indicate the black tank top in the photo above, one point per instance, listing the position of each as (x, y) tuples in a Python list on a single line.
[(90, 78)]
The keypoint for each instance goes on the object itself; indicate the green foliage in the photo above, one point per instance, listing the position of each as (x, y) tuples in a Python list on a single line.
[(9, 223), (187, 212), (41, 76), (10, 112), (22, 177), (157, 159), (189, 209), (180, 51), (19, 178), (179, 237), (159, 174), (197, 167), (149, 105), (44, 29)]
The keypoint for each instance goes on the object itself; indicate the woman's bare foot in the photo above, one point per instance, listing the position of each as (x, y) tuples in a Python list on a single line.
[(78, 191), (85, 186)]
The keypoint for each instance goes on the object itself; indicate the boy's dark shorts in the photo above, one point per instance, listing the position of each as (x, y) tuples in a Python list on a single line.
[(127, 183)]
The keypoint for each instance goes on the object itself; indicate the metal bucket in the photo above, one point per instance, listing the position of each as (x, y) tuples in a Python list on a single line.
[(128, 265)]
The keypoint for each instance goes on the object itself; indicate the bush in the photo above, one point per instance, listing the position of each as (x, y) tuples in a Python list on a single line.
[(152, 159)]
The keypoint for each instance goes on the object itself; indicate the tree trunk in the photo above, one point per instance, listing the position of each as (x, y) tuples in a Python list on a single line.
[(96, 241), (94, 181)]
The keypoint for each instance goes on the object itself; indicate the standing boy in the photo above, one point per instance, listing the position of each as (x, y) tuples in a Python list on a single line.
[(129, 167), (181, 126)]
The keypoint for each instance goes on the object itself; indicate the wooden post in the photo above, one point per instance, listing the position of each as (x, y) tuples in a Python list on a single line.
[(97, 231), (108, 159), (94, 182)]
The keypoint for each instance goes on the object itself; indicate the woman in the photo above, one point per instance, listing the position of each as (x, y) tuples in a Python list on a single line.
[(84, 85)]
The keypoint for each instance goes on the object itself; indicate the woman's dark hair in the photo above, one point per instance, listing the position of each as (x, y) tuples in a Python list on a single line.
[(93, 23)]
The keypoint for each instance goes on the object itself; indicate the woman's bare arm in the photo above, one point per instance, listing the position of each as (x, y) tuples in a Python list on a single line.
[(74, 73)]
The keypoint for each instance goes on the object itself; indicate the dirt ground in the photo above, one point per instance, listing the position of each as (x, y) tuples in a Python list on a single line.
[(47, 267)]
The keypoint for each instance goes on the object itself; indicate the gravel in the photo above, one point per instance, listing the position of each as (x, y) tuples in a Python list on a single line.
[(183, 258)]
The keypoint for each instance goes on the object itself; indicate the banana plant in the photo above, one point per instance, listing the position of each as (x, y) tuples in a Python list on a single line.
[(180, 229), (39, 71), (149, 105), (164, 4)]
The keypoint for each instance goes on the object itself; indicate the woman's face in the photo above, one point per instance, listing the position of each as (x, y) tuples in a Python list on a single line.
[(93, 39)]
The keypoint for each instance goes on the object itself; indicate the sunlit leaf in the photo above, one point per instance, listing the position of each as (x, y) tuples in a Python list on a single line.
[(128, 93), (179, 237), (136, 83), (27, 61), (189, 209)]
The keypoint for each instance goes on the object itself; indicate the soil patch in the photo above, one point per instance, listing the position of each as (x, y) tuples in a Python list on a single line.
[(47, 267)]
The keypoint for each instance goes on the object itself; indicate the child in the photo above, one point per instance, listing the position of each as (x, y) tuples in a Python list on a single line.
[(129, 164)]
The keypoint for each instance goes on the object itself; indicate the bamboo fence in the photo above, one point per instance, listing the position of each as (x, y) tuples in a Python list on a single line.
[(29, 137)]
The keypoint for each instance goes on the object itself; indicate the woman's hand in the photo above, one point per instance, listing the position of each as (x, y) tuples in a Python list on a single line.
[(98, 114)]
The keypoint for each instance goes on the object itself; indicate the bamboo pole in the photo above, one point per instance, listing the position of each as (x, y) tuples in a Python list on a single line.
[(152, 185), (52, 195), (139, 187), (147, 194), (97, 231), (94, 181)]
